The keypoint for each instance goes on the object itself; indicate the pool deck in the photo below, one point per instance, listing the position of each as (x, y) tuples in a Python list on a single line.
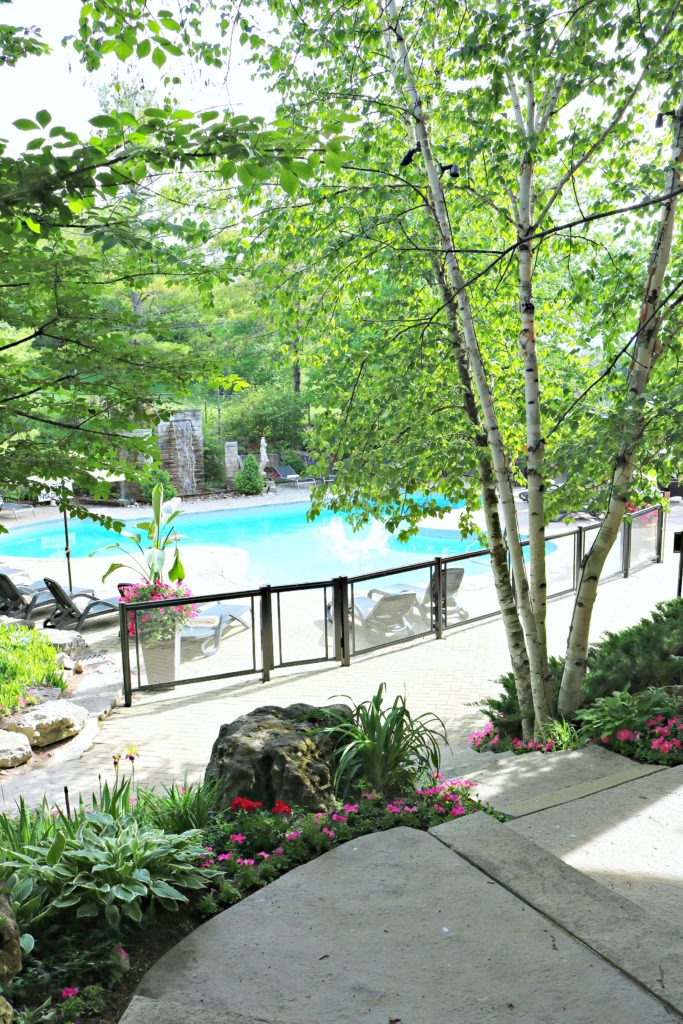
[(174, 729)]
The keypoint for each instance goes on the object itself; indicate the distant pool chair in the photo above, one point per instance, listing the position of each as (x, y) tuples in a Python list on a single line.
[(285, 474), (208, 627), (16, 506), (386, 617), (68, 615), (452, 581)]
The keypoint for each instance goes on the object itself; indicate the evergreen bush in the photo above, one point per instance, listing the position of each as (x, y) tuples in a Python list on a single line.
[(248, 479), (154, 477)]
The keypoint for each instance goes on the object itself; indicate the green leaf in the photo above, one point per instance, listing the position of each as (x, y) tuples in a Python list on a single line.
[(289, 181), (112, 914), (144, 48), (43, 118), (104, 121), (27, 942), (158, 57), (87, 910), (24, 125), (245, 175), (56, 850), (333, 161)]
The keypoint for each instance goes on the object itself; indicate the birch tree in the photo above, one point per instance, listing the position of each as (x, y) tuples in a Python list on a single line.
[(529, 141)]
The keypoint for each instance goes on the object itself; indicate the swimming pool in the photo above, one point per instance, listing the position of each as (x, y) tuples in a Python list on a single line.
[(264, 544)]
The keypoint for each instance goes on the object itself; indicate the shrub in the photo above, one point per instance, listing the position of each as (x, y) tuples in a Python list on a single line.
[(248, 479), (214, 462), (154, 477), (271, 411), (632, 659), (385, 748), (645, 726), (27, 658)]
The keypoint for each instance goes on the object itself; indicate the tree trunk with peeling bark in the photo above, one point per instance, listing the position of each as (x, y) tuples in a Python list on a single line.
[(646, 353), (404, 77)]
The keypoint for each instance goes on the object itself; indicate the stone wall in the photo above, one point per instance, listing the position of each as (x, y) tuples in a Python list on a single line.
[(181, 445)]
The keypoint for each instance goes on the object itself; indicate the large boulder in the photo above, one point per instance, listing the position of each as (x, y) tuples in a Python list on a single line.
[(15, 749), (6, 1012), (271, 754), (10, 950), (49, 723)]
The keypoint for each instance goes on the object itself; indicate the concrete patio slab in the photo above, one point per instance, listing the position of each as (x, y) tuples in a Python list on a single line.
[(517, 785), (628, 936), (391, 927), (629, 838)]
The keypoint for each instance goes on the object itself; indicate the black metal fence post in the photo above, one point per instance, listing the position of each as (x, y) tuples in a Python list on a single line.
[(344, 621), (125, 655), (626, 549), (438, 591), (579, 551), (267, 658), (661, 533)]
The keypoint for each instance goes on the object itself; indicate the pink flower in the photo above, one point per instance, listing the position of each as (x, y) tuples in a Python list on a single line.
[(246, 861), (278, 851), (123, 958), (339, 817), (328, 832), (266, 856), (370, 796), (293, 835), (457, 811), (224, 856), (439, 808), (624, 735), (67, 993), (237, 837), (351, 808), (206, 864)]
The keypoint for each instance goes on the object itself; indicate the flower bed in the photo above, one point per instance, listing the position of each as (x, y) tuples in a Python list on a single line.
[(164, 861)]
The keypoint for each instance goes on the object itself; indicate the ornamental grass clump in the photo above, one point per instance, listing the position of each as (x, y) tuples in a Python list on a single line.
[(384, 748)]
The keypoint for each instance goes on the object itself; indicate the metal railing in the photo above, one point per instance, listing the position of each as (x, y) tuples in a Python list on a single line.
[(168, 643)]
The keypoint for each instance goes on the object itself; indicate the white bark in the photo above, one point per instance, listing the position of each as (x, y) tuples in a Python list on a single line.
[(404, 75), (647, 351)]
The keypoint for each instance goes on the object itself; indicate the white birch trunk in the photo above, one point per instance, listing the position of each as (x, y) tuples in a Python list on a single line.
[(404, 75), (647, 351)]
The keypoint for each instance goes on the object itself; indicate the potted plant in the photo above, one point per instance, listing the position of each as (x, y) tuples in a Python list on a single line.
[(158, 630)]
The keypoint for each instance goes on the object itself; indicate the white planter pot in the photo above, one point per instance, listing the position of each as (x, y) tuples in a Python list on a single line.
[(162, 660)]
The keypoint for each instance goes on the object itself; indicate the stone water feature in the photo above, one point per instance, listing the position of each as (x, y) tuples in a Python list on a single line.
[(233, 462), (182, 450)]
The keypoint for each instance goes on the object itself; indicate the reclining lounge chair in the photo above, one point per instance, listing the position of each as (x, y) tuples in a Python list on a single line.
[(427, 603), (211, 623), (67, 614)]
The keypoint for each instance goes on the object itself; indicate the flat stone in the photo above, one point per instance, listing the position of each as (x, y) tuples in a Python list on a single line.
[(49, 723), (148, 1011), (393, 926), (15, 749), (67, 640), (629, 838), (587, 909), (520, 784)]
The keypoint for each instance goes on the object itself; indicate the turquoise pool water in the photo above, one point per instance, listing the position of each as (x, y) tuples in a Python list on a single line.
[(261, 545)]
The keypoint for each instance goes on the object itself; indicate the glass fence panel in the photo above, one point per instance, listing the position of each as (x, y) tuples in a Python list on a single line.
[(644, 538), (469, 589), (303, 629), (387, 609), (560, 564), (195, 640), (614, 562)]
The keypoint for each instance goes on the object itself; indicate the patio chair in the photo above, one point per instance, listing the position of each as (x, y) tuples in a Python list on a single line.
[(67, 614), (16, 506), (284, 474), (209, 626), (427, 603), (386, 617), (21, 600)]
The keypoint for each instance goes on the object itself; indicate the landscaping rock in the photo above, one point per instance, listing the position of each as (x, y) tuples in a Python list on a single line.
[(66, 640), (270, 755), (49, 723), (10, 950), (6, 1012), (65, 661), (15, 749)]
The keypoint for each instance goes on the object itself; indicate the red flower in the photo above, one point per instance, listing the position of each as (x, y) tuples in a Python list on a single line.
[(281, 808), (240, 803)]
